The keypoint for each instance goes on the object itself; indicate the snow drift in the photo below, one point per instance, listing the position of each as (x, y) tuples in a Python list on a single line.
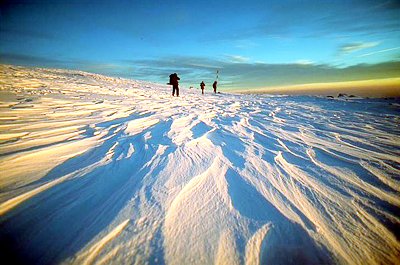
[(101, 170)]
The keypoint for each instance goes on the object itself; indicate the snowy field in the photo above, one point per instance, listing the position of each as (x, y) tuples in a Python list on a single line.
[(100, 170)]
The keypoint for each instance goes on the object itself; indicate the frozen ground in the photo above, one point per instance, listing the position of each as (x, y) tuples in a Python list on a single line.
[(98, 170)]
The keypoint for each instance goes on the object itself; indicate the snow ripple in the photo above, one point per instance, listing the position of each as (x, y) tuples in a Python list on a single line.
[(101, 170)]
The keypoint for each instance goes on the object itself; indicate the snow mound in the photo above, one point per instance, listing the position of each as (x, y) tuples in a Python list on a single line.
[(102, 170)]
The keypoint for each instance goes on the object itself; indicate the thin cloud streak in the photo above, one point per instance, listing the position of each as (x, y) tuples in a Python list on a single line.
[(28, 34), (24, 59), (237, 58), (254, 75), (381, 51), (232, 75), (353, 47)]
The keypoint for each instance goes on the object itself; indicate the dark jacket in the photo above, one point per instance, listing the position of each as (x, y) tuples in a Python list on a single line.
[(173, 79)]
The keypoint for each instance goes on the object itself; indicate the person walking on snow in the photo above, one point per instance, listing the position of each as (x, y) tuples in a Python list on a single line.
[(173, 80), (202, 85), (215, 86)]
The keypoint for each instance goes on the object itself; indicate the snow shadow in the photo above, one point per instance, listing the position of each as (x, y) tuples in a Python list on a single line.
[(286, 242), (200, 129), (59, 222), (231, 146)]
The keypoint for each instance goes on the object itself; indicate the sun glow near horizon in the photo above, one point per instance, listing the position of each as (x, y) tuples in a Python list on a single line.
[(386, 87), (263, 43)]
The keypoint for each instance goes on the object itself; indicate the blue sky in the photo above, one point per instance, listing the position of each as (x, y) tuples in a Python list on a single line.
[(252, 43)]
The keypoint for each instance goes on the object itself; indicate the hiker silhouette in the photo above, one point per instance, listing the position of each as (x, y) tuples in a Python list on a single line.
[(215, 86), (202, 85), (173, 80)]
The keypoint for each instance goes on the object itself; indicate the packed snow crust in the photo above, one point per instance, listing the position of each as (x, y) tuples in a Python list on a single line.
[(103, 170)]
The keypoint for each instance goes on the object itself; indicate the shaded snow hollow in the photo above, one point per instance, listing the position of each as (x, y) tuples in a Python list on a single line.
[(100, 170)]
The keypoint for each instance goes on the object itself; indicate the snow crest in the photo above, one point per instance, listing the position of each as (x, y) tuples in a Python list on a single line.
[(102, 170)]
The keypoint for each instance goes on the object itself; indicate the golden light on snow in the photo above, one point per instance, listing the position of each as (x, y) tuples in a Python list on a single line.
[(95, 169)]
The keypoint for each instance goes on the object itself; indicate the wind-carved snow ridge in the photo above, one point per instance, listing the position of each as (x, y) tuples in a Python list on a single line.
[(102, 170)]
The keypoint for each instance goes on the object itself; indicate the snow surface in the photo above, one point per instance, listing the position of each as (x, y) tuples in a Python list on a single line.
[(101, 170)]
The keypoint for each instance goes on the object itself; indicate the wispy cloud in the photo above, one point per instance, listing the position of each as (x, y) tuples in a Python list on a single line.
[(15, 58), (381, 51), (233, 75), (237, 58), (253, 75), (389, 4), (113, 69), (245, 44), (27, 33), (304, 62), (321, 18), (357, 46)]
